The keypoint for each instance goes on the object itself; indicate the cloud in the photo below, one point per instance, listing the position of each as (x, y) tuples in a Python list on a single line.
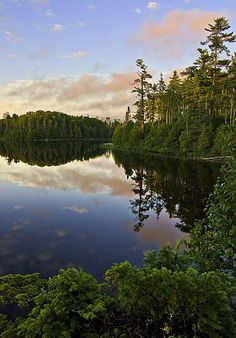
[(94, 94), (12, 36), (12, 56), (49, 12), (76, 209), (81, 24), (45, 12), (39, 54), (152, 5), (40, 2), (75, 55), (57, 27), (138, 10), (175, 35), (91, 7)]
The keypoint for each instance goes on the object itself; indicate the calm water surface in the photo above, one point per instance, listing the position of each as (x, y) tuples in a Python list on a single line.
[(70, 204)]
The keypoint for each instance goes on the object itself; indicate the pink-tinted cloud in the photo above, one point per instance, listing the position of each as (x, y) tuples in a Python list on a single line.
[(175, 34), (89, 94)]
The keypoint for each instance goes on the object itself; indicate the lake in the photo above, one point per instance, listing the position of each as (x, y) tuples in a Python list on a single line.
[(73, 204)]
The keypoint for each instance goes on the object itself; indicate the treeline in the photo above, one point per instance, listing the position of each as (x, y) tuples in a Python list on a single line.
[(195, 113), (53, 125), (177, 293)]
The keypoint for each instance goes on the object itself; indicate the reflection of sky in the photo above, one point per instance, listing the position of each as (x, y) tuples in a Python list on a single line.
[(74, 214)]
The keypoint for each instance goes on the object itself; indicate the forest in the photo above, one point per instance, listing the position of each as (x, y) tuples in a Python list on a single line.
[(194, 114), (49, 125)]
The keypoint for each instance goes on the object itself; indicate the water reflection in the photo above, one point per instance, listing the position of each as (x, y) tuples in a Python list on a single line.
[(179, 186), (50, 153), (71, 204)]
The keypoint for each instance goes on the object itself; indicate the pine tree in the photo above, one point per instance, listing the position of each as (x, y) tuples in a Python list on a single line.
[(141, 88), (128, 114), (216, 41)]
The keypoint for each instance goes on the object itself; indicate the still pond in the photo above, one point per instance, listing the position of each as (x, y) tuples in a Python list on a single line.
[(71, 204)]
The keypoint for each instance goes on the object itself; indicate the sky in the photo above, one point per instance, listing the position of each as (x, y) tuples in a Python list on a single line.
[(78, 56)]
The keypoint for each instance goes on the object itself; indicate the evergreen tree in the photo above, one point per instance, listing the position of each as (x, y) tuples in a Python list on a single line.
[(141, 88)]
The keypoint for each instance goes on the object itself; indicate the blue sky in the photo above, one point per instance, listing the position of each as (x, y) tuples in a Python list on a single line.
[(79, 56)]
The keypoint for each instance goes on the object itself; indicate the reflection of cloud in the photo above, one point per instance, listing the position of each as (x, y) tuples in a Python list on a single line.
[(162, 231), (93, 176), (18, 207), (43, 213), (20, 224), (44, 256), (60, 232), (76, 209)]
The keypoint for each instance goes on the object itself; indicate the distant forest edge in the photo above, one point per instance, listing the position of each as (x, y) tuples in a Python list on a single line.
[(41, 125), (195, 113)]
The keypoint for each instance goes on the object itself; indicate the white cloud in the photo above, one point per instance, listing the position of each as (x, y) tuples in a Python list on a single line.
[(57, 27), (138, 11), (91, 7), (152, 5), (49, 12), (75, 55), (12, 36)]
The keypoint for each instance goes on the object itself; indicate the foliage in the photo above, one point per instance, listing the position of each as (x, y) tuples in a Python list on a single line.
[(213, 241), (160, 303), (20, 289), (73, 299), (53, 125)]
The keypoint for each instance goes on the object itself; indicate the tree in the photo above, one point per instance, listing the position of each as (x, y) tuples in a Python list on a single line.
[(216, 40), (141, 88), (152, 103), (73, 299), (128, 114)]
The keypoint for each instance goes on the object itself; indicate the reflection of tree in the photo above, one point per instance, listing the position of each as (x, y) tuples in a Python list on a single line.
[(50, 153), (139, 205), (147, 199), (179, 186)]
